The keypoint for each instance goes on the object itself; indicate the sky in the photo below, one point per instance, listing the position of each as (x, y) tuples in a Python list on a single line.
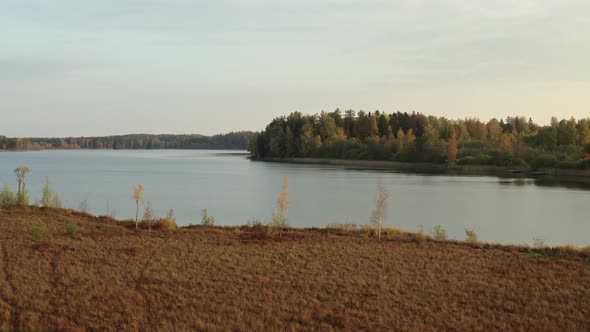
[(87, 68)]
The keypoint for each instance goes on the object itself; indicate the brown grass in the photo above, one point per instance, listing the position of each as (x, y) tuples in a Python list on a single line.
[(111, 277)]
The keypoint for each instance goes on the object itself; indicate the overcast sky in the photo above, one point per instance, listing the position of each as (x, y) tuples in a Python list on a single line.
[(178, 66)]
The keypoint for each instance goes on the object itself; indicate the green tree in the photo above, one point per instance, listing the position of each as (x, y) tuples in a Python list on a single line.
[(567, 132), (350, 123), (384, 126), (277, 142), (329, 131)]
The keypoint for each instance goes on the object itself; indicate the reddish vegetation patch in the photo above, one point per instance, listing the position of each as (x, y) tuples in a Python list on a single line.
[(46, 246), (132, 251), (160, 225), (205, 279), (263, 237)]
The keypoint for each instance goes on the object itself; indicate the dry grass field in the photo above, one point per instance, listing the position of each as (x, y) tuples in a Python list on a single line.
[(109, 277)]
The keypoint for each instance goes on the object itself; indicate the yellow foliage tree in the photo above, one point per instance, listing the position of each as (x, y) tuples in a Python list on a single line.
[(279, 216), (452, 148), (138, 198), (506, 142)]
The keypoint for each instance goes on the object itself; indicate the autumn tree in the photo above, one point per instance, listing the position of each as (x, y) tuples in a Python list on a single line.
[(279, 215), (22, 195), (452, 148), (494, 129), (310, 140), (583, 132), (505, 147), (138, 198), (461, 132), (379, 214)]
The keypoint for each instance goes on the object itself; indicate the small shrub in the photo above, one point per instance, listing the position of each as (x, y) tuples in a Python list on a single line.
[(569, 248), (206, 219), (439, 233), (545, 160), (159, 225), (368, 230), (170, 215), (255, 222), (469, 160), (567, 164), (170, 220), (481, 159), (148, 215), (40, 229), (7, 197), (347, 227), (471, 235), (50, 198), (393, 232), (539, 243), (270, 231), (421, 229), (22, 198), (83, 207), (421, 235), (72, 229)]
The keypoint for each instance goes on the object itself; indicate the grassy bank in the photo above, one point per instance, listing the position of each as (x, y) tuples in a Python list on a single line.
[(566, 175), (110, 277)]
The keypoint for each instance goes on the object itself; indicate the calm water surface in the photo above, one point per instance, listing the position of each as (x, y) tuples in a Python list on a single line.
[(234, 190)]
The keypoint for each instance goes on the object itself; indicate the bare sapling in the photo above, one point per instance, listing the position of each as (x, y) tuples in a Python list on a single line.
[(379, 213)]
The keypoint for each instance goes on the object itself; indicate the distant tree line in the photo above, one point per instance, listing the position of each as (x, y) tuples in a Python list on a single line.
[(415, 137), (234, 140)]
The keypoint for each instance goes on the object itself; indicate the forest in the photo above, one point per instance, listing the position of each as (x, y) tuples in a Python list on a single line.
[(233, 140), (514, 141)]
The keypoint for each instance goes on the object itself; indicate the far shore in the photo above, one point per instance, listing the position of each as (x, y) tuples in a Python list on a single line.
[(550, 174)]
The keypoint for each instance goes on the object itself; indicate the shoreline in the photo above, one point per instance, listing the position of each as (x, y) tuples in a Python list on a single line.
[(573, 176)]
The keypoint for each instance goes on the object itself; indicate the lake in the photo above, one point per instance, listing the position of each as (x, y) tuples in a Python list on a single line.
[(234, 189)]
